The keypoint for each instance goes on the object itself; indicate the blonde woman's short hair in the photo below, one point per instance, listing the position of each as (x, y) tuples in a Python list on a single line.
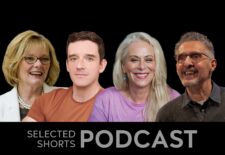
[(16, 50)]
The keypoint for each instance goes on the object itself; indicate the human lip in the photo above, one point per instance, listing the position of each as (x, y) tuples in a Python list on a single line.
[(81, 74), (38, 73), (189, 72), (141, 75)]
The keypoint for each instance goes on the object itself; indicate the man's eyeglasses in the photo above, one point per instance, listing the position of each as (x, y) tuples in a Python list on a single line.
[(33, 59), (194, 56)]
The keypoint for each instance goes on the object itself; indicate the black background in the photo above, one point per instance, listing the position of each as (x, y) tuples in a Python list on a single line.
[(209, 137), (164, 20), (113, 21)]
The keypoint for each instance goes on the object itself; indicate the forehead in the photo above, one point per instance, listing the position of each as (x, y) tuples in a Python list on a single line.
[(190, 46), (140, 48), (36, 49), (83, 48)]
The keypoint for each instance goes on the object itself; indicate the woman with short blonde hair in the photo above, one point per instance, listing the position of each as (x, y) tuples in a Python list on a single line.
[(30, 65)]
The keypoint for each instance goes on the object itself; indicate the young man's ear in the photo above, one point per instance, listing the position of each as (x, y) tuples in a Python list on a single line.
[(67, 68), (103, 65)]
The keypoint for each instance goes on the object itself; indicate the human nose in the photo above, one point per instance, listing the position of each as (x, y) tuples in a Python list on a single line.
[(142, 64), (80, 64), (37, 62), (188, 60)]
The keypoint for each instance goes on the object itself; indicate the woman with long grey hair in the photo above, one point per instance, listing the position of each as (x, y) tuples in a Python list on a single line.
[(139, 76)]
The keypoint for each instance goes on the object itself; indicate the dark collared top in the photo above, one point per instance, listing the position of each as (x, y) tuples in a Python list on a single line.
[(182, 109)]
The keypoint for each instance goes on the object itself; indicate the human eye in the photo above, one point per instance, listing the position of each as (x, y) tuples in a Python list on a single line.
[(195, 56), (133, 59), (89, 58), (181, 57), (30, 59), (148, 60), (45, 59), (72, 59)]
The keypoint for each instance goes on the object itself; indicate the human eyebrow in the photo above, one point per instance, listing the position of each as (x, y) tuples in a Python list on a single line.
[(72, 55), (149, 56), (91, 56), (133, 56)]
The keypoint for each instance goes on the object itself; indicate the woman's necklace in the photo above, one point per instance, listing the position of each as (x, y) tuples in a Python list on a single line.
[(23, 104)]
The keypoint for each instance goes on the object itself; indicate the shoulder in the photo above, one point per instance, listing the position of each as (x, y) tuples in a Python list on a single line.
[(173, 104), (9, 94), (167, 112), (8, 101), (173, 93), (108, 95), (109, 91), (48, 88), (57, 92), (218, 91), (222, 89), (222, 92)]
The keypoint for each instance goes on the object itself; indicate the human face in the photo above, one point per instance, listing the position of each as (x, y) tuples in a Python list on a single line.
[(34, 73), (83, 63), (194, 70), (139, 64)]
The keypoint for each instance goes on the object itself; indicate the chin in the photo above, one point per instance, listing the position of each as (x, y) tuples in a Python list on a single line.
[(81, 84), (189, 83), (142, 85)]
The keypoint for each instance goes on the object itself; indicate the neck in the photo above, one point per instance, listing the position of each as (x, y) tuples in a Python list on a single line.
[(83, 94), (200, 92), (138, 95), (29, 93)]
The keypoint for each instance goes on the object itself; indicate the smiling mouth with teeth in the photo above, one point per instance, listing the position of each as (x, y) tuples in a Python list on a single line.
[(36, 73), (189, 73)]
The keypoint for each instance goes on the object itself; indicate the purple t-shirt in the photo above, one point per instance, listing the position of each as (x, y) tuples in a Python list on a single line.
[(112, 106)]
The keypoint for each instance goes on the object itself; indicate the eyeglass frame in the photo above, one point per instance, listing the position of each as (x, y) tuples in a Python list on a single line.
[(43, 60), (191, 56)]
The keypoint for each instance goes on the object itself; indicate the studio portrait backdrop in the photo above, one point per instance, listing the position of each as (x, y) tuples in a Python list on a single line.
[(165, 27), (113, 23)]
